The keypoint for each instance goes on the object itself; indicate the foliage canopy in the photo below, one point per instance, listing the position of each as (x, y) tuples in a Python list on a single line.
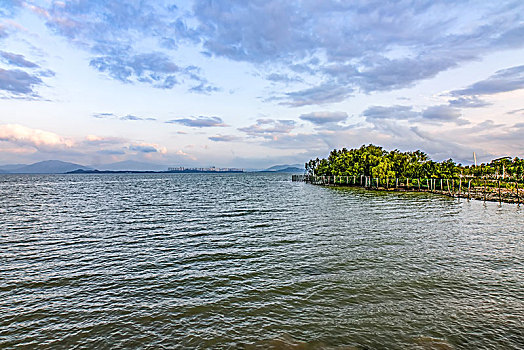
[(376, 162)]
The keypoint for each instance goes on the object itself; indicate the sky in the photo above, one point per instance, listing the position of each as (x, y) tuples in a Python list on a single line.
[(257, 83)]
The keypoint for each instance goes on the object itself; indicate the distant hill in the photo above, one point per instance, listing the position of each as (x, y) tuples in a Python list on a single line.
[(279, 168), (9, 167), (290, 170), (130, 165), (48, 167)]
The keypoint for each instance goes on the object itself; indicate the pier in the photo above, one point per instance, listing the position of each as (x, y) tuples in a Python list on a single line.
[(485, 189)]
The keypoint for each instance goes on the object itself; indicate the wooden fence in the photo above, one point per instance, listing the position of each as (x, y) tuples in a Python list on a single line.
[(499, 190)]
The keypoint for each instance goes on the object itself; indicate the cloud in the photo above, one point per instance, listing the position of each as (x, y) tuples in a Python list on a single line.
[(39, 139), (143, 148), (94, 140), (104, 115), (269, 128), (17, 60), (9, 7), (516, 111), (35, 144), (111, 152), (128, 117), (283, 78), (112, 31), (203, 88), (199, 122), (468, 102), (344, 47), (504, 80), (443, 114), (320, 118), (377, 115), (362, 46), (224, 138), (18, 82), (135, 118), (155, 68), (321, 94)]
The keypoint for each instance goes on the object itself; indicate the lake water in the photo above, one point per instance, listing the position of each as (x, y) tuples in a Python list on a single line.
[(253, 261)]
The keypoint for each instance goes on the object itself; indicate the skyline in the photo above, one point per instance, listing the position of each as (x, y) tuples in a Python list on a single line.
[(258, 83)]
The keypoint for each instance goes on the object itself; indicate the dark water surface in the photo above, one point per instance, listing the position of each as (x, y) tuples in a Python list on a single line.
[(253, 261)]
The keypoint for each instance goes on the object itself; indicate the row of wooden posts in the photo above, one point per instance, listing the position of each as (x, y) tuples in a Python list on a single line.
[(470, 188)]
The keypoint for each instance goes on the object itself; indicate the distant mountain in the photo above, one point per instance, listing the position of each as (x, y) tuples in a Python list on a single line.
[(48, 167), (9, 167), (278, 168), (290, 170), (130, 165)]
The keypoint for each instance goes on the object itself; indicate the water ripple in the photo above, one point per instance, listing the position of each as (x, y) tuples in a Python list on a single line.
[(253, 261)]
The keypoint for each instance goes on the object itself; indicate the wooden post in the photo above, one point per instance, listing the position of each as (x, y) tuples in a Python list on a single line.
[(419, 184), (469, 186), (500, 199), (407, 183), (396, 182), (387, 184), (460, 187)]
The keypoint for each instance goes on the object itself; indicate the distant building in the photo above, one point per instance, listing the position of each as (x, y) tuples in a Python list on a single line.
[(205, 170)]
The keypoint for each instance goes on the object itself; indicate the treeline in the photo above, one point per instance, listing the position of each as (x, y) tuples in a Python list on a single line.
[(376, 162)]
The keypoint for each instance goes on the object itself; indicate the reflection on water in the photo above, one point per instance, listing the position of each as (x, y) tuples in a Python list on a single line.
[(253, 261)]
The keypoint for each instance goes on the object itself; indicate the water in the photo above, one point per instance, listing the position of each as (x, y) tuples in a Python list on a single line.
[(253, 261)]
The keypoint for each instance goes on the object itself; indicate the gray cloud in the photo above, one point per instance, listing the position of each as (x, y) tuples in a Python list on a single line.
[(269, 128), (347, 46), (369, 46), (143, 148), (443, 113), (204, 88), (468, 102), (322, 94), (134, 117), (111, 152), (516, 111), (320, 118), (199, 122), (283, 78), (18, 82), (224, 138), (386, 74), (378, 115), (128, 117), (504, 80), (375, 114), (110, 31), (155, 68), (17, 60), (104, 115)]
